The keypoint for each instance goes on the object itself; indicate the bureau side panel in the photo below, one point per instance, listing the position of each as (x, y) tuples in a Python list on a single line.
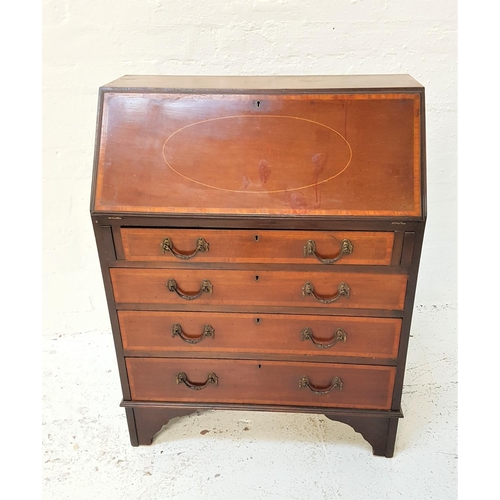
[(105, 247), (411, 252)]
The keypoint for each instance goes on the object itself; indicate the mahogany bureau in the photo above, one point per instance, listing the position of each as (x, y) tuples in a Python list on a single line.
[(259, 240)]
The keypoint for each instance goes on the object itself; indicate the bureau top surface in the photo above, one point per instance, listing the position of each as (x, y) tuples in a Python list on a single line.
[(185, 83), (261, 146)]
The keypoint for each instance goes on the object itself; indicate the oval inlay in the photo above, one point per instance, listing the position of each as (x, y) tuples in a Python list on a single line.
[(257, 153)]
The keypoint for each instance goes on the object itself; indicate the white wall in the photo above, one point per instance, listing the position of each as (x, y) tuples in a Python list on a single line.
[(88, 43)]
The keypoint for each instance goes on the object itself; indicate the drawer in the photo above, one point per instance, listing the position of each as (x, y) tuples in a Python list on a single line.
[(230, 335), (261, 382), (191, 288), (263, 247)]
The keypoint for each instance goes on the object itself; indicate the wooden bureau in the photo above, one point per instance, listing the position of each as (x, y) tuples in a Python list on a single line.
[(259, 240)]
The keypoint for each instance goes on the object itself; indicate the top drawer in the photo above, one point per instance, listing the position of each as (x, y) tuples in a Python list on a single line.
[(242, 246)]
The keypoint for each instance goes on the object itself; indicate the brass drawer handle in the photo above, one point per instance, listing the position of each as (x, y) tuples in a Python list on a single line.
[(343, 290), (346, 248), (336, 383), (211, 379), (339, 336), (168, 246), (208, 331), (206, 287)]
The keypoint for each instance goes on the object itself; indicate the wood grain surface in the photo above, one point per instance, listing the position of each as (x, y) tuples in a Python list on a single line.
[(235, 334), (264, 247), (264, 382), (279, 83), (287, 154), (261, 288)]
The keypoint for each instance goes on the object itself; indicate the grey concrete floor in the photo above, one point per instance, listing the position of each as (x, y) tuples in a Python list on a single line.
[(246, 455)]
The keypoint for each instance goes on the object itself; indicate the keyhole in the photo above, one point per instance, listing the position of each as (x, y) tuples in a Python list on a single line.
[(256, 278), (257, 104), (260, 366), (257, 320), (256, 237)]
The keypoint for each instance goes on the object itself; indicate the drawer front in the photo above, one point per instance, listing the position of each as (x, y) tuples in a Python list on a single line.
[(261, 382), (191, 288), (263, 247), (175, 333)]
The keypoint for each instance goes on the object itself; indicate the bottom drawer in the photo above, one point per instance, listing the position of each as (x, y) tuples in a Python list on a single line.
[(261, 382)]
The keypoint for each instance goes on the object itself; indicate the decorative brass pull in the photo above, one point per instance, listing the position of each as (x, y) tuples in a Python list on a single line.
[(206, 287), (336, 383), (346, 248), (339, 336), (208, 331), (343, 291), (211, 379), (168, 246)]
